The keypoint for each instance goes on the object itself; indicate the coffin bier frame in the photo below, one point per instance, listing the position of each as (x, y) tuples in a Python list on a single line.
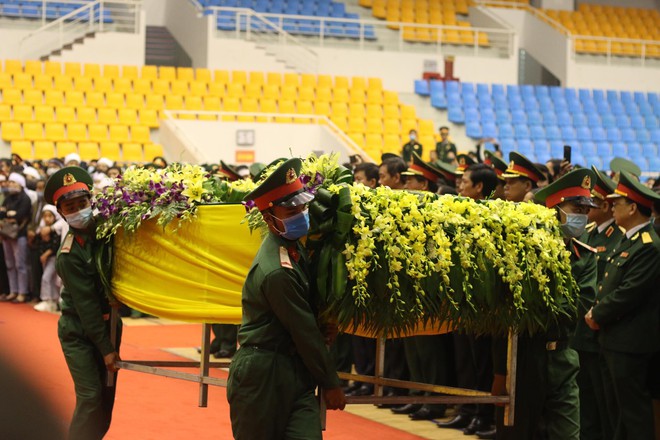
[(450, 395)]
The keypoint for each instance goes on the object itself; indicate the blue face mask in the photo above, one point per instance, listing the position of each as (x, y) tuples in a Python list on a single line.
[(575, 224), (295, 227), (81, 219), (413, 136)]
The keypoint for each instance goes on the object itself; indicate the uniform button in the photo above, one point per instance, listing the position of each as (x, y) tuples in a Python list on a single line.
[(600, 288), (606, 274)]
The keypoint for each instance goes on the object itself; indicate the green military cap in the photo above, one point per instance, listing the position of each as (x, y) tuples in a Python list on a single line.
[(631, 188), (448, 171), (574, 187), (603, 186), (260, 174), (228, 171), (386, 156), (67, 183), (498, 164), (282, 188), (520, 166), (421, 168), (464, 161), (256, 169), (619, 164)]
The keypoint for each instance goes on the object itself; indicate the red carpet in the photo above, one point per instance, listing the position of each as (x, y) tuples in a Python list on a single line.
[(146, 407)]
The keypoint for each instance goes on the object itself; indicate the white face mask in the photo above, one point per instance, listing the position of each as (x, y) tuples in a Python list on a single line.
[(81, 219)]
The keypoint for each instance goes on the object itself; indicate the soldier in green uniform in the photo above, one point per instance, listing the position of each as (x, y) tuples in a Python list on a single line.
[(84, 327), (283, 354), (500, 168), (546, 387), (627, 310), (411, 147), (602, 235)]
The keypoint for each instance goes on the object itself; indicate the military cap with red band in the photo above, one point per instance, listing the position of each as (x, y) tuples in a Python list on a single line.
[(421, 168), (603, 186), (632, 189), (229, 172), (464, 161), (520, 166), (498, 164), (574, 187), (283, 187), (67, 183)]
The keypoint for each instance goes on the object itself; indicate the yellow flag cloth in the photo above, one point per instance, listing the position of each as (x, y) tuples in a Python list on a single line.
[(194, 274)]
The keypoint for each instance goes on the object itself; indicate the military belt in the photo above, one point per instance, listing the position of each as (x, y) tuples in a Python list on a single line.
[(288, 350)]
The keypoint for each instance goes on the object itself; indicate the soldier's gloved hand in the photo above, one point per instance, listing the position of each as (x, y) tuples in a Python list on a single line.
[(334, 398), (110, 360), (499, 387)]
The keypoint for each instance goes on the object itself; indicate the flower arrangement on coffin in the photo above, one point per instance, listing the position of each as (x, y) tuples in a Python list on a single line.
[(386, 260)]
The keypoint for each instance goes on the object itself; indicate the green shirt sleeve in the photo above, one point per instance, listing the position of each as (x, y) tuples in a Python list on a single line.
[(287, 298), (79, 279)]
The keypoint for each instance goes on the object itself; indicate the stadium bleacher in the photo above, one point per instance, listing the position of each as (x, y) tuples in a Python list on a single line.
[(34, 10), (539, 120)]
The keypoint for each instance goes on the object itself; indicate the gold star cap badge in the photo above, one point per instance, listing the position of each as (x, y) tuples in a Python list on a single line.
[(291, 176), (68, 179), (586, 182)]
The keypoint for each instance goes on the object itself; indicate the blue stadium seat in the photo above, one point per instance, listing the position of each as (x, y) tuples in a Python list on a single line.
[(579, 119), (574, 107), (507, 144), (556, 149), (485, 104), (633, 149), (578, 159), (640, 97), (617, 108), (612, 96), (556, 92), (652, 122), (497, 90), (584, 94), (637, 122), (602, 107), (644, 136), (589, 107), (564, 119), (570, 94), (518, 117), (467, 88), (654, 164), (642, 162), (549, 119), (473, 129), (613, 134), (593, 120), (593, 160), (568, 133), (598, 95), (452, 87), (502, 117), (655, 135), (487, 115), (489, 130), (483, 89), (622, 121), (527, 90), (470, 101), (454, 99), (588, 148), (628, 135), (541, 146), (525, 147), (521, 131), (438, 100), (531, 105), (649, 149), (553, 132), (583, 133), (455, 115), (500, 101), (515, 103), (505, 131), (537, 132), (534, 118), (607, 119), (560, 105), (598, 134), (437, 87), (619, 149), (422, 87), (603, 149), (626, 97), (471, 115)]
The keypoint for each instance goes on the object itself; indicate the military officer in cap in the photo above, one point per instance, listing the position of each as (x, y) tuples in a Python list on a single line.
[(283, 356), (520, 177), (627, 310), (84, 327), (619, 164), (602, 235), (411, 147), (500, 168), (546, 387)]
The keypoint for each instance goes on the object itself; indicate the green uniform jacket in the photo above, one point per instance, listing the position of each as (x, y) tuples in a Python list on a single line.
[(443, 150), (584, 268), (409, 148), (628, 301), (83, 295), (278, 311), (604, 242)]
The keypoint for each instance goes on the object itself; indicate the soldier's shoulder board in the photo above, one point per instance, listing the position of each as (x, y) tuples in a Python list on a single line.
[(646, 238), (585, 245), (591, 226), (285, 260), (67, 244)]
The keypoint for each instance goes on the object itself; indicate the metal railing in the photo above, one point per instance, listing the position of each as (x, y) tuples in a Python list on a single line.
[(91, 17), (360, 34), (608, 47)]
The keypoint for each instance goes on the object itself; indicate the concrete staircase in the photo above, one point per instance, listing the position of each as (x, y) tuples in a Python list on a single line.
[(162, 49)]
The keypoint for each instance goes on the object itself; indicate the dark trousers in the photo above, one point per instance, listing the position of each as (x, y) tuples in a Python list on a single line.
[(94, 399), (4, 278), (594, 423), (396, 366), (226, 337), (342, 352), (627, 395), (364, 355), (474, 370), (429, 360), (36, 272)]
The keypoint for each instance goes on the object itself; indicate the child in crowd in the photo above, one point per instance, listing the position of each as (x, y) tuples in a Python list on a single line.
[(47, 242)]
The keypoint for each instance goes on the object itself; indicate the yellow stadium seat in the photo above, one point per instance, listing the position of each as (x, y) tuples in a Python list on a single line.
[(22, 148), (123, 85), (149, 72), (340, 123), (74, 98), (64, 115), (256, 78), (110, 150), (98, 132), (212, 103), (356, 124), (339, 109), (13, 66), (305, 108), (392, 126), (356, 110), (323, 95), (374, 111), (186, 74), (44, 113), (160, 86), (248, 105), (134, 101), (230, 104), (11, 131), (217, 89), (86, 115), (44, 150), (392, 143), (130, 72), (22, 113), (235, 90), (306, 93), (253, 91), (268, 106), (391, 111), (5, 81), (54, 98), (72, 68), (111, 71), (374, 96), (274, 79), (203, 75), (155, 102), (239, 77), (322, 108), (142, 85), (55, 132), (357, 96), (107, 116), (119, 133), (167, 73), (340, 95), (308, 80), (33, 131), (179, 87), (324, 81), (53, 68), (358, 138), (174, 102), (341, 82), (91, 70), (374, 125), (66, 148), (407, 125), (358, 82), (140, 133), (103, 84), (198, 88), (289, 92), (148, 117), (221, 76), (132, 152), (374, 141), (291, 79), (12, 96), (390, 97), (5, 112), (193, 103), (426, 127), (271, 91), (33, 67), (115, 100), (408, 112), (127, 116), (152, 151), (88, 150), (22, 80), (76, 132)]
